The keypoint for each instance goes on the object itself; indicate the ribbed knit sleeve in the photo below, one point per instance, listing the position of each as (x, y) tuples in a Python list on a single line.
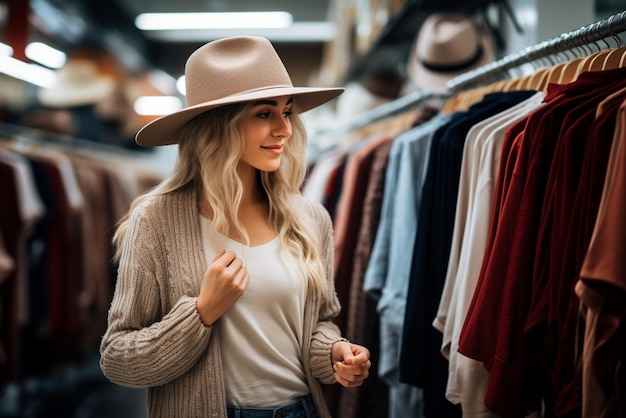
[(325, 332), (154, 332)]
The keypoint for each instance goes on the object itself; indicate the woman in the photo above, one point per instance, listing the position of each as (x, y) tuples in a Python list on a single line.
[(224, 300)]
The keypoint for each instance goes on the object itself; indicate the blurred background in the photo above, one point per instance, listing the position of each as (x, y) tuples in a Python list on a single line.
[(78, 78)]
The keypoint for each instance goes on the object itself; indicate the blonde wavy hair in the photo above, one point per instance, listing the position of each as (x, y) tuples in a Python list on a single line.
[(208, 154)]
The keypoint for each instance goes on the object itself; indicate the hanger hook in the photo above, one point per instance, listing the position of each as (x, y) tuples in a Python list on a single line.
[(600, 37), (616, 38)]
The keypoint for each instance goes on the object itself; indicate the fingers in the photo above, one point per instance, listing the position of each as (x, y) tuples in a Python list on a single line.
[(351, 376), (224, 258), (218, 255), (224, 282)]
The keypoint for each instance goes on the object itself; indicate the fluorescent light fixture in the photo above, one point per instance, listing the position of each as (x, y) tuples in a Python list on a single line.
[(31, 73), (5, 50), (297, 32), (229, 20), (45, 55), (162, 81), (180, 85), (157, 105)]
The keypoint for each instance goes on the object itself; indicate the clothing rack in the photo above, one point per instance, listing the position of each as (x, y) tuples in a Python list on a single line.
[(388, 109), (585, 35), (33, 136), (580, 37)]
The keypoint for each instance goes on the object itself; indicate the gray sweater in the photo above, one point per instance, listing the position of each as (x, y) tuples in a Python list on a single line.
[(155, 338)]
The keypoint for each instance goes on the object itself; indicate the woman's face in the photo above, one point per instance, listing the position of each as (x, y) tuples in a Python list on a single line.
[(266, 130)]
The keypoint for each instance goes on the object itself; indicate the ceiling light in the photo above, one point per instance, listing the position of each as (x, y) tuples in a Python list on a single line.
[(31, 73), (297, 32), (183, 21), (5, 50), (181, 86), (45, 55), (157, 105)]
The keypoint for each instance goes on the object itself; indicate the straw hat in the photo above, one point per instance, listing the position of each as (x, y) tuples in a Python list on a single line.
[(78, 83), (231, 70), (448, 44)]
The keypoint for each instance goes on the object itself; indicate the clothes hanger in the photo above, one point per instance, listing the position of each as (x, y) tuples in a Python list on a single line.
[(613, 58), (536, 80), (590, 59), (512, 84), (597, 64), (610, 58), (570, 71), (553, 76)]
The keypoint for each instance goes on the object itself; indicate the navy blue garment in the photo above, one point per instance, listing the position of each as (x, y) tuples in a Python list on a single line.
[(421, 361)]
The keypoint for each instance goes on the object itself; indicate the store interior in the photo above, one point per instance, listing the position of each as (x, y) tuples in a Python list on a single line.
[(49, 340)]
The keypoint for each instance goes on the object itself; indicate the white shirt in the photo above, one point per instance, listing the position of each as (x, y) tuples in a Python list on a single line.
[(262, 332)]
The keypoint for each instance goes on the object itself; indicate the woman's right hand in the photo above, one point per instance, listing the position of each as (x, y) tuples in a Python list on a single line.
[(224, 282)]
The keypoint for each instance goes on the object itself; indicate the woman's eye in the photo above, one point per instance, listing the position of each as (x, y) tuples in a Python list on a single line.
[(287, 113), (263, 115)]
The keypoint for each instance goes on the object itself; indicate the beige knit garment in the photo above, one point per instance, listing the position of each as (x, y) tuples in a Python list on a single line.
[(155, 338)]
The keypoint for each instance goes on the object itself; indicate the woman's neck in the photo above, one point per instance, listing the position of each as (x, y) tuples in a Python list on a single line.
[(253, 213)]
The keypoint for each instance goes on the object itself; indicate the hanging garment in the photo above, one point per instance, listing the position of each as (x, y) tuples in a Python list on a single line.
[(420, 361), (493, 332), (387, 271), (602, 291), (467, 378)]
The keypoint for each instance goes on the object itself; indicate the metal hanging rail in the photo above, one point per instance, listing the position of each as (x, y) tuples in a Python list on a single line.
[(580, 37)]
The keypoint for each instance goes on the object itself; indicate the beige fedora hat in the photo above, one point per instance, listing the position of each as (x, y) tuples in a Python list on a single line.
[(231, 70), (78, 83), (447, 45)]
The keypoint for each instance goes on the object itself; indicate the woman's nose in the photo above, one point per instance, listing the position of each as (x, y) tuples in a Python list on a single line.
[(282, 127)]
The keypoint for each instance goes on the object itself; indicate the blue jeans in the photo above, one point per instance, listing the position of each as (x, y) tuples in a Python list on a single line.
[(302, 408)]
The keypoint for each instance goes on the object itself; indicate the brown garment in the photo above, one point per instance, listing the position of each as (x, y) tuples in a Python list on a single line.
[(348, 215), (602, 291), (97, 273), (370, 399)]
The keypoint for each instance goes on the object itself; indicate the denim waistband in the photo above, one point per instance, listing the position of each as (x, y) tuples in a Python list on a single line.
[(303, 407)]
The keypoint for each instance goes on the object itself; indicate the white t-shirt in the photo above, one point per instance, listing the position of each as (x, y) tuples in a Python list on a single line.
[(262, 333)]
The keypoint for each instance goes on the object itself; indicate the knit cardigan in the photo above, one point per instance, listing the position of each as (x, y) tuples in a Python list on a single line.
[(155, 338)]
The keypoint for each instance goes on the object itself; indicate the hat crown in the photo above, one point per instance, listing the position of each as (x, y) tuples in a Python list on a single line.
[(233, 66), (447, 39)]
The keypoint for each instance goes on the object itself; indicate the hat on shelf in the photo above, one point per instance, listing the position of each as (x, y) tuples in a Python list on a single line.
[(231, 70), (447, 45), (78, 83)]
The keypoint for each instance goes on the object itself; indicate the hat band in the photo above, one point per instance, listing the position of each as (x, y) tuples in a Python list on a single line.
[(258, 89), (443, 68)]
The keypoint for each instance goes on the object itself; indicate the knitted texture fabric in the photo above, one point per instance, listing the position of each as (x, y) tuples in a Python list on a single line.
[(155, 338)]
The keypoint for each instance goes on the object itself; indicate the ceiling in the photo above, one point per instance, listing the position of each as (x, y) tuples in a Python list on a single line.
[(111, 22)]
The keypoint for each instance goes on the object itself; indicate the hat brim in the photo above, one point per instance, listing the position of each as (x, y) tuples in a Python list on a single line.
[(165, 130)]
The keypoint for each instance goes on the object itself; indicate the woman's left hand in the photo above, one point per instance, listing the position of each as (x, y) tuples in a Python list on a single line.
[(351, 363)]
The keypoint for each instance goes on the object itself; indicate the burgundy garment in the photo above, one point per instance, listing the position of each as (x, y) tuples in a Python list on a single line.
[(498, 318), (64, 263), (12, 230), (578, 181), (332, 188)]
